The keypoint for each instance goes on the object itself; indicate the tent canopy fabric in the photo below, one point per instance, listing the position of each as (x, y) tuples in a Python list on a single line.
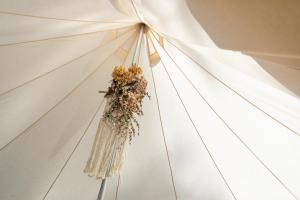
[(268, 30), (223, 121)]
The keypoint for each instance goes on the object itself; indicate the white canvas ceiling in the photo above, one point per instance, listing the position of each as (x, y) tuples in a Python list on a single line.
[(220, 124)]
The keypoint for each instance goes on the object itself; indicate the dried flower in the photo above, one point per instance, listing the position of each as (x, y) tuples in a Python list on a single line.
[(126, 94)]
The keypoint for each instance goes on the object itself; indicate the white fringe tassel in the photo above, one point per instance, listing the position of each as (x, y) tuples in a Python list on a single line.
[(106, 157)]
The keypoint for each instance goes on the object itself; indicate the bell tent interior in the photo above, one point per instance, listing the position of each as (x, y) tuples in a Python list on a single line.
[(222, 121)]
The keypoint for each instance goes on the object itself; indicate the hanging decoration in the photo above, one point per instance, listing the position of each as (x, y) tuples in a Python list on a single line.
[(118, 124)]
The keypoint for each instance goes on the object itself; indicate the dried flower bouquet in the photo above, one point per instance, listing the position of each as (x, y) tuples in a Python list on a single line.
[(118, 124)]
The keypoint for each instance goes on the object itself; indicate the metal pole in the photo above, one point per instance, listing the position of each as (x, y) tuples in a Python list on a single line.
[(103, 183), (102, 188)]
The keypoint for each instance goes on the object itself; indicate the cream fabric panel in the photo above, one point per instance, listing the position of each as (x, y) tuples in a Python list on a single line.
[(30, 164), (129, 47), (124, 51), (18, 29), (28, 103), (103, 10), (290, 61), (230, 59), (173, 17), (289, 77), (269, 29), (247, 177), (124, 6), (194, 172), (283, 77), (47, 56), (277, 103)]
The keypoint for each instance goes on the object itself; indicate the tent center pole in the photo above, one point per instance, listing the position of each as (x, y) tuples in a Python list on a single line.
[(102, 188)]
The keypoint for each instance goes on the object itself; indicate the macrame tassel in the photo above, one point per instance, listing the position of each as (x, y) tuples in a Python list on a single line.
[(106, 157)]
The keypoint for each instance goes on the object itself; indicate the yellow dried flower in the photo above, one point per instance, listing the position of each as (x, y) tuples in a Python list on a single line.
[(126, 94), (135, 70)]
